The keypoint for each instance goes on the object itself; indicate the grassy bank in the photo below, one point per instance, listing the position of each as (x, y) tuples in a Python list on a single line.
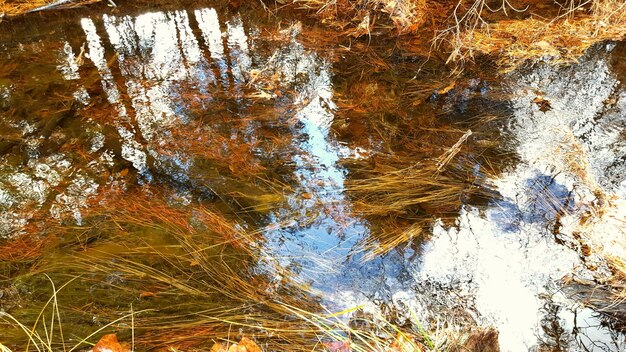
[(513, 32), (20, 7), (560, 31)]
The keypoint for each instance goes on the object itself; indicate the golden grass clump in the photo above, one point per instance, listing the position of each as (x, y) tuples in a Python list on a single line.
[(402, 191), (562, 39), (525, 30), (405, 200), (360, 18)]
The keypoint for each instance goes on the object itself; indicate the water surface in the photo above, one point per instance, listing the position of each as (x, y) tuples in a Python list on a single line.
[(240, 112)]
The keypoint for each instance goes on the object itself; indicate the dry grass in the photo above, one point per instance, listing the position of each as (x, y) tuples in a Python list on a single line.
[(23, 248), (401, 191), (446, 157), (405, 200), (359, 18), (20, 7), (387, 337), (393, 234), (615, 301), (304, 330), (562, 39), (220, 297), (467, 28), (417, 166), (190, 267), (149, 209), (192, 285), (47, 328)]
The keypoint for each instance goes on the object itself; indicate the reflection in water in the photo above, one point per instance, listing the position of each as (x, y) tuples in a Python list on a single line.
[(68, 65), (510, 256), (156, 53), (498, 266), (238, 47), (324, 233), (131, 149), (210, 26)]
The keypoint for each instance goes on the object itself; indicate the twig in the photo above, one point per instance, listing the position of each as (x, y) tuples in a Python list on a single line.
[(445, 158), (60, 3)]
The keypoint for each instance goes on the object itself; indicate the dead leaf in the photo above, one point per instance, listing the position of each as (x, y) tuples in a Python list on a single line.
[(237, 348), (218, 347), (306, 195), (404, 342), (147, 294), (250, 345), (543, 104), (109, 343), (543, 45), (338, 346), (123, 172)]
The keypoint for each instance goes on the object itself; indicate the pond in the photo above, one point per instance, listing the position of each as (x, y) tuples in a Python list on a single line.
[(219, 171)]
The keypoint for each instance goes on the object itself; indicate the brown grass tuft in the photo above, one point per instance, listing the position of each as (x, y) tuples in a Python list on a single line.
[(514, 32)]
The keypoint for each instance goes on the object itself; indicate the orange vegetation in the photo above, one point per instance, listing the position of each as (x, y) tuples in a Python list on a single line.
[(514, 31)]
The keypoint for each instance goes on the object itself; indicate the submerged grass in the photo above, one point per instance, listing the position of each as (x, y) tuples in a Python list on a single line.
[(167, 276), (349, 335), (402, 191), (191, 273), (420, 157), (406, 196), (411, 199), (47, 329), (328, 331), (196, 281)]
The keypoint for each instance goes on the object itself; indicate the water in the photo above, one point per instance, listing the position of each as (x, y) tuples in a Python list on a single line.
[(231, 110)]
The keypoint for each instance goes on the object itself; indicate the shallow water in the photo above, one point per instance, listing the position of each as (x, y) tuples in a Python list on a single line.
[(243, 113)]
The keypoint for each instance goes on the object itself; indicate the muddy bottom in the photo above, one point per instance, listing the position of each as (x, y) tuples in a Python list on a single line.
[(219, 172)]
